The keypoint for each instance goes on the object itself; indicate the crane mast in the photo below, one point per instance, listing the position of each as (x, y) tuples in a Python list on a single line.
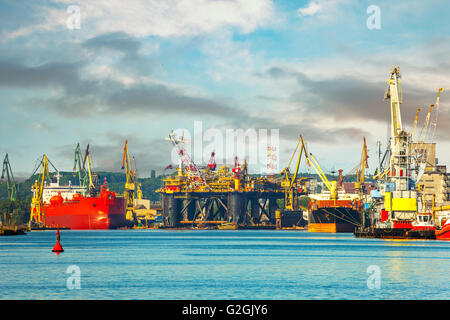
[(360, 172), (37, 214), (289, 182), (92, 177), (392, 93), (77, 165), (11, 184), (130, 184)]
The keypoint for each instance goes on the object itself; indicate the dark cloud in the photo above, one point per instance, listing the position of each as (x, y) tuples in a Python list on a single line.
[(129, 46), (351, 98), (152, 154), (14, 74), (118, 41), (80, 97)]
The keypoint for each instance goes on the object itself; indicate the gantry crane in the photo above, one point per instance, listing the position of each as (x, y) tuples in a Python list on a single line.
[(83, 178), (394, 93), (130, 184), (360, 171), (331, 186), (37, 214), (194, 175), (289, 182), (138, 184), (11, 184), (92, 177)]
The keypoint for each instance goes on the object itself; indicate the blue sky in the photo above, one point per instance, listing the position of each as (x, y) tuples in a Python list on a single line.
[(139, 70)]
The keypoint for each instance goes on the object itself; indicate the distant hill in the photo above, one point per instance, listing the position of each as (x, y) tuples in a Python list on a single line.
[(115, 180)]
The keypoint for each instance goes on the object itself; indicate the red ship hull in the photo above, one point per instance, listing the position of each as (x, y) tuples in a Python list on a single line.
[(443, 234), (103, 212)]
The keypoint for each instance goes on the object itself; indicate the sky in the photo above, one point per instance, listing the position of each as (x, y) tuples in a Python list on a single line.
[(101, 72)]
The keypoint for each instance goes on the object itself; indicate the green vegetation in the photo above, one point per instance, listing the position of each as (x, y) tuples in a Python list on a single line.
[(115, 180), (15, 212)]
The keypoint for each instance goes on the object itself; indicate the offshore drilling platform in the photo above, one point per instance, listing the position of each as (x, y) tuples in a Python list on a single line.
[(224, 197)]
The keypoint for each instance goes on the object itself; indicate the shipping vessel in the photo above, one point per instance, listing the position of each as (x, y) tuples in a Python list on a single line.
[(104, 211), (83, 206), (334, 216)]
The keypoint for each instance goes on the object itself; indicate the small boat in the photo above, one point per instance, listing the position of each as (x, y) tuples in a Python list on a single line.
[(227, 226)]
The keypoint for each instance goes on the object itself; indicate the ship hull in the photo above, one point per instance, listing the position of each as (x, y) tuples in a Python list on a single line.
[(443, 234), (396, 233), (87, 213), (333, 220)]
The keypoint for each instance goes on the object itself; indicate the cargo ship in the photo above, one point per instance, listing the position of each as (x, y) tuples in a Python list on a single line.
[(70, 207), (82, 206), (334, 216)]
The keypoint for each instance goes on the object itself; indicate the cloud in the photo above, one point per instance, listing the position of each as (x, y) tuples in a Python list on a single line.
[(73, 96), (106, 153), (311, 9), (170, 18)]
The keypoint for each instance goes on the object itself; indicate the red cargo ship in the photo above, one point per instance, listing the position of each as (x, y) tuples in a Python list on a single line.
[(106, 211), (67, 207)]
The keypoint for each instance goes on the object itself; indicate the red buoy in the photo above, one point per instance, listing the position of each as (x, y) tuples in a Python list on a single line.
[(58, 247)]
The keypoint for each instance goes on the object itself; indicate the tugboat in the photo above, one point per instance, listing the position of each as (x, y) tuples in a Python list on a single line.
[(422, 227)]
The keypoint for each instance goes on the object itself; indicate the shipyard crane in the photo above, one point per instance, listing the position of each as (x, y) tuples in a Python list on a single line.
[(77, 165), (331, 186), (290, 180), (11, 184), (92, 177), (130, 184), (413, 132), (37, 214), (359, 184), (138, 184), (394, 93), (424, 136), (194, 175)]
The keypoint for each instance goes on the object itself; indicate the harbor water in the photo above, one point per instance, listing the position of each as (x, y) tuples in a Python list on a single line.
[(220, 264)]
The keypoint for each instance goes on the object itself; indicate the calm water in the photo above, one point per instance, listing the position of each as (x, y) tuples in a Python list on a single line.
[(220, 264)]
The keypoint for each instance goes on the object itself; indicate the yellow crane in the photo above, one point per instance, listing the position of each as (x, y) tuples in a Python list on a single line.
[(289, 183), (138, 184), (394, 93), (92, 182), (413, 133), (130, 184), (359, 184), (37, 214), (331, 186)]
